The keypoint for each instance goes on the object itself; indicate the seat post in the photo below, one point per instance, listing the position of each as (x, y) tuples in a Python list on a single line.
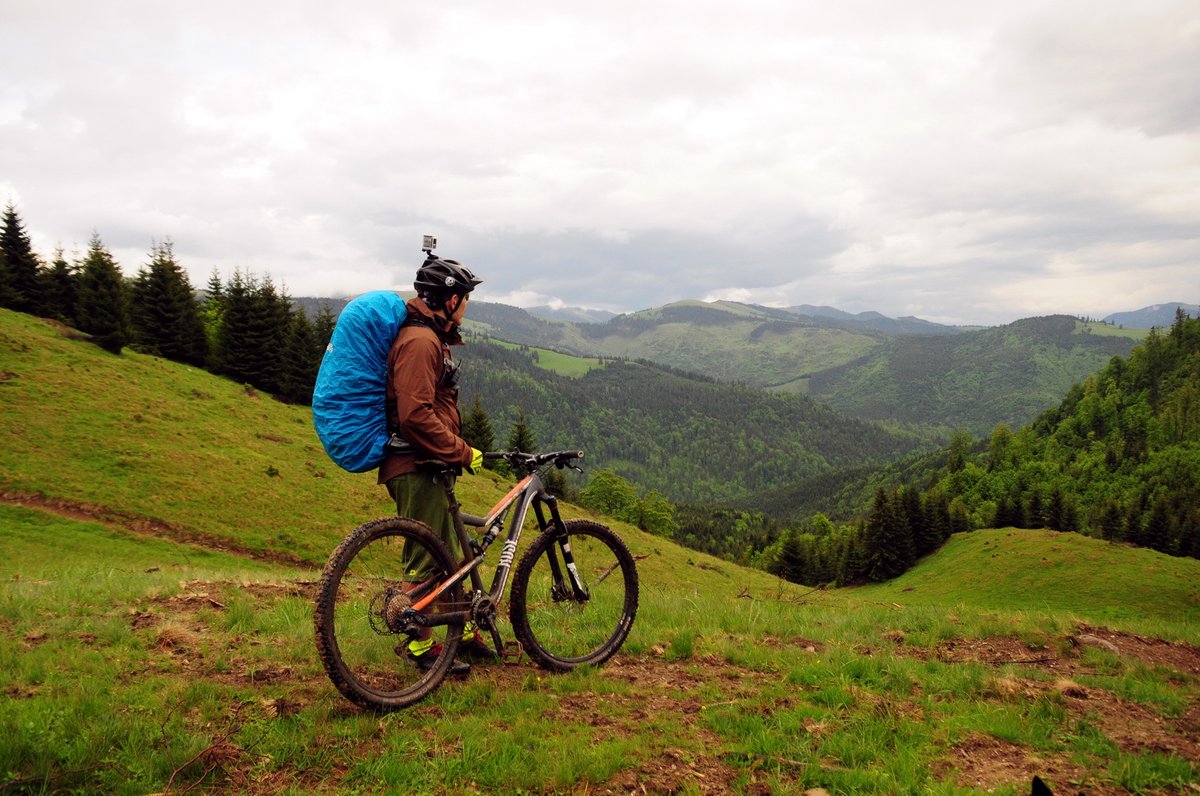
[(466, 542)]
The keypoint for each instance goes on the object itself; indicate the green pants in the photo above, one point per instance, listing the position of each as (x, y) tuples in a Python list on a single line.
[(419, 497)]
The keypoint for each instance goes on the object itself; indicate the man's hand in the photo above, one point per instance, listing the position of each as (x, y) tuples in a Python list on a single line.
[(476, 461)]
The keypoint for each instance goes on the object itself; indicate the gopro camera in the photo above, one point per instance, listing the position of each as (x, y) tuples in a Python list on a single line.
[(429, 244)]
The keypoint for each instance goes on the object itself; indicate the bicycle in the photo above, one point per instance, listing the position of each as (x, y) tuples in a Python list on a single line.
[(573, 603)]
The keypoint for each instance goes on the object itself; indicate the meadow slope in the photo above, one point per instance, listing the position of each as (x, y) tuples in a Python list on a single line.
[(163, 530)]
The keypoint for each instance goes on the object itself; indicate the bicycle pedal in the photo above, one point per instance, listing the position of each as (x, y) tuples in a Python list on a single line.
[(512, 652)]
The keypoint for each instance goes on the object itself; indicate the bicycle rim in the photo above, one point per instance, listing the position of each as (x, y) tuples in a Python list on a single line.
[(364, 590), (559, 628)]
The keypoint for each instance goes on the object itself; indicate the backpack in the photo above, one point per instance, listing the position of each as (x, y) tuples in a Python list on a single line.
[(350, 397)]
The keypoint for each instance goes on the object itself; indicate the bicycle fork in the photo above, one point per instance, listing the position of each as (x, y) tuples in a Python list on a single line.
[(558, 591)]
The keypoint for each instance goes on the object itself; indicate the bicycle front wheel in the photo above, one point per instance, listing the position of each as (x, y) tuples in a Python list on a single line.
[(563, 622), (363, 637)]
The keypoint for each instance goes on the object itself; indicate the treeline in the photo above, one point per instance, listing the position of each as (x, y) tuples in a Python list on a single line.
[(245, 328), (902, 526)]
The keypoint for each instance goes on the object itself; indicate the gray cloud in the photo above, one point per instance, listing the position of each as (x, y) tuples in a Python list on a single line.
[(950, 160)]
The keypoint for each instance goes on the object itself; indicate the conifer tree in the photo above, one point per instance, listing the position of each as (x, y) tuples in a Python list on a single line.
[(166, 320), (20, 287), (477, 429), (520, 437), (60, 289), (1111, 521), (300, 361), (789, 562), (253, 332), (103, 304), (888, 539), (323, 329), (1157, 534), (1056, 511)]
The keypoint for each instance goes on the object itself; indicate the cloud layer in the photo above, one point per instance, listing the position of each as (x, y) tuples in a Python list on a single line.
[(960, 162)]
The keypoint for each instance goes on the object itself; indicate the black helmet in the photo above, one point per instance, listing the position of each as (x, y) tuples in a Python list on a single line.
[(438, 279)]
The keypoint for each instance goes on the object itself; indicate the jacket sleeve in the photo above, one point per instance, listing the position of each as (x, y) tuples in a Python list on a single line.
[(416, 369)]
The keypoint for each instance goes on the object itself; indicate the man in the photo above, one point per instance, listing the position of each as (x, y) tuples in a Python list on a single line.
[(422, 404)]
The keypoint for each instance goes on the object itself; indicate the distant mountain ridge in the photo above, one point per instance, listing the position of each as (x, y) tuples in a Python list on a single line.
[(571, 314), (1160, 315), (904, 370), (875, 321)]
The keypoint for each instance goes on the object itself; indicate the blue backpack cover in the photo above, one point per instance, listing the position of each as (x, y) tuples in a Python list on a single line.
[(350, 397)]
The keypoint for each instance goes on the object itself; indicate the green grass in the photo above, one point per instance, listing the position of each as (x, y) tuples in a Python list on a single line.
[(1108, 330), (1045, 571), (132, 659), (563, 364)]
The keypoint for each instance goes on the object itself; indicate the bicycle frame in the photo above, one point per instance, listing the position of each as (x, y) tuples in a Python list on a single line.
[(529, 491)]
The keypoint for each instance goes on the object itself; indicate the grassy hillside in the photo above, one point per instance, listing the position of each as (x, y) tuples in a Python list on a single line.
[(138, 657), (971, 381)]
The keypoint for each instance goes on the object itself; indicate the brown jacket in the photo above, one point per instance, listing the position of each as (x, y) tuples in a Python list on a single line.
[(420, 405)]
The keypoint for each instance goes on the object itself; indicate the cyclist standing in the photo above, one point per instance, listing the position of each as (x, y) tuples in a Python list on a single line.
[(422, 405)]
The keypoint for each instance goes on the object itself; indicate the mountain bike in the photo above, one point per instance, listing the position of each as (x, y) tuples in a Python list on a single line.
[(573, 602)]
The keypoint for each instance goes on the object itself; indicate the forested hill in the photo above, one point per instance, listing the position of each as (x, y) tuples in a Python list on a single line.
[(941, 380), (974, 380), (1118, 458), (690, 438)]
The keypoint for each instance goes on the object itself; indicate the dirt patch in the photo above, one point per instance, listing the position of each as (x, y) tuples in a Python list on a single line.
[(1153, 651), (1063, 656), (1002, 651), (146, 526), (1131, 726), (982, 761)]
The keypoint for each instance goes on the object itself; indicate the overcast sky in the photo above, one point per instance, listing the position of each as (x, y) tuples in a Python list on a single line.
[(964, 162)]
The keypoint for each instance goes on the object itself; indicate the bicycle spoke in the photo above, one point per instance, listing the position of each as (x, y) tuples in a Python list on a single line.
[(363, 634), (559, 627)]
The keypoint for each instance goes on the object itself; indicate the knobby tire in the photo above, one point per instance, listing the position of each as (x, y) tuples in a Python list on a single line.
[(555, 628), (363, 657)]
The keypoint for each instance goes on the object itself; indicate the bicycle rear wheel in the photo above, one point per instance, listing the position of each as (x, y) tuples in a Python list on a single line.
[(559, 627), (364, 590)]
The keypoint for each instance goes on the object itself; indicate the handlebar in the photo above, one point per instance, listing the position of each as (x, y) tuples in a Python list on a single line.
[(531, 461)]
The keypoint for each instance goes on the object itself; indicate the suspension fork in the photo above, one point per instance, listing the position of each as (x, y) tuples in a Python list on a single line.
[(579, 593)]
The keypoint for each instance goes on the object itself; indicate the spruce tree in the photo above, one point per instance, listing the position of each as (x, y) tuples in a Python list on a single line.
[(253, 332), (888, 540), (103, 309), (236, 311), (1111, 521), (1158, 532), (20, 285), (300, 361), (477, 428), (520, 437), (323, 329), (60, 289), (166, 320)]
